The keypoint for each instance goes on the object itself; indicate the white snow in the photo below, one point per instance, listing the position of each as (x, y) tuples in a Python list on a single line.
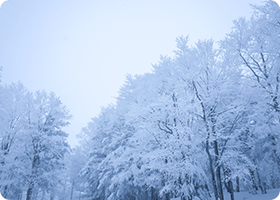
[(271, 195)]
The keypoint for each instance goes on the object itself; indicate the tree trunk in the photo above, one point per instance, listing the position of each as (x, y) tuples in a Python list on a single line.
[(260, 183), (217, 164), (166, 196), (19, 195), (35, 163), (265, 187), (219, 183), (209, 156), (237, 184), (154, 194), (72, 190), (208, 131), (146, 194), (229, 187), (5, 191), (29, 191), (212, 170), (228, 182), (207, 190), (253, 181), (231, 196)]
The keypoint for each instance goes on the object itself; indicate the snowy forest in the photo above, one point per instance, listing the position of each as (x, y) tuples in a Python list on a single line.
[(204, 123)]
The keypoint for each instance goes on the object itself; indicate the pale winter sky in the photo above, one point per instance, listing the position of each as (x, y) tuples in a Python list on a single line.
[(82, 49)]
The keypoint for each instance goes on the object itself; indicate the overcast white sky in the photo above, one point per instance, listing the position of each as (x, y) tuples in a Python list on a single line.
[(82, 49)]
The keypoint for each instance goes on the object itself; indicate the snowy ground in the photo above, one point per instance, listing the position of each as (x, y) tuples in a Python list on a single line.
[(271, 195)]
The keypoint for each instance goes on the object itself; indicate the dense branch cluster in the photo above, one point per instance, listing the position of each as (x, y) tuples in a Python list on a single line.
[(33, 144), (204, 122)]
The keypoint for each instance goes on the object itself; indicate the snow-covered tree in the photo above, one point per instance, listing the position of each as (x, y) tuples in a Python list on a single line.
[(204, 121), (176, 125), (13, 112), (45, 142), (254, 44)]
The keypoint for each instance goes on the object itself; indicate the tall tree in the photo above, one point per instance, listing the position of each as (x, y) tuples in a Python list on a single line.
[(254, 44), (46, 142), (13, 112)]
